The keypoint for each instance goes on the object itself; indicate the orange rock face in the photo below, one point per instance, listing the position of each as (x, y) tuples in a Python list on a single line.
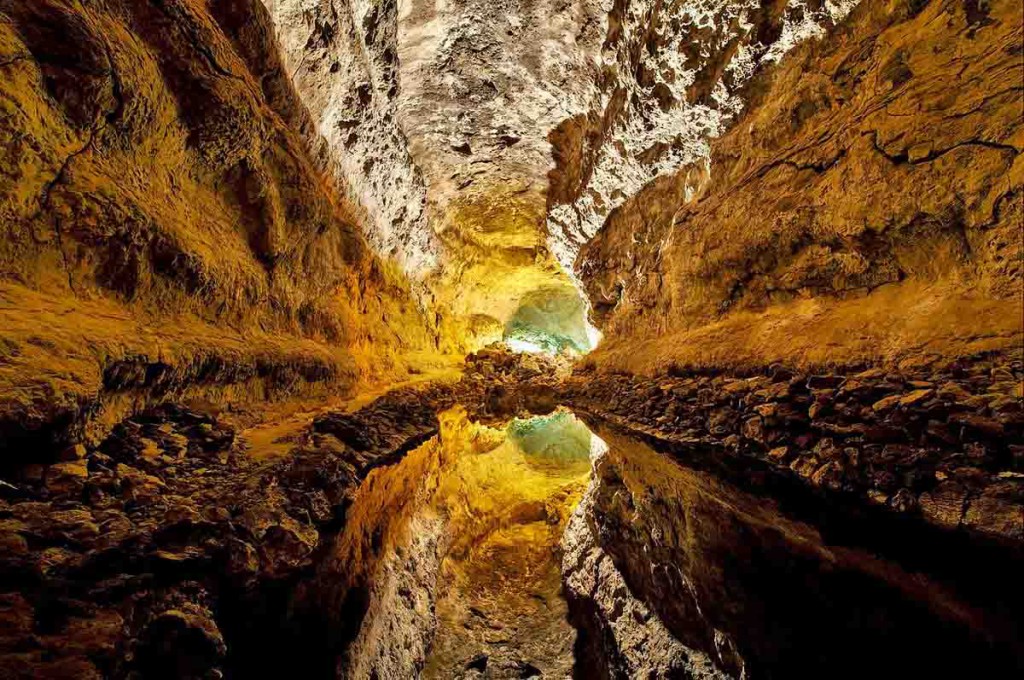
[(865, 207), (166, 228), (239, 236)]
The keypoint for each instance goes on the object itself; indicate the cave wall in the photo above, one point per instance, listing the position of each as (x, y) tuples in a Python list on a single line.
[(167, 229), (673, 76), (342, 58), (865, 207), (488, 142)]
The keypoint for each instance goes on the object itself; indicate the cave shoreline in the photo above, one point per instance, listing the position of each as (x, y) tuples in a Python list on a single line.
[(169, 529)]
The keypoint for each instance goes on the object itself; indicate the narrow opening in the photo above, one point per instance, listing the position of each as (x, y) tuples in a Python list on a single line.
[(551, 321)]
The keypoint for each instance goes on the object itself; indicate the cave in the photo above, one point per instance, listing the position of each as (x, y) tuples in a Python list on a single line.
[(551, 321), (393, 340)]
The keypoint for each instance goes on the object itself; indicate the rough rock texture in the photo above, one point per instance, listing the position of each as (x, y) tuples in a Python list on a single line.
[(166, 232), (620, 636), (438, 115), (865, 207), (207, 205), (493, 140), (167, 551), (672, 77), (341, 55), (946, 445)]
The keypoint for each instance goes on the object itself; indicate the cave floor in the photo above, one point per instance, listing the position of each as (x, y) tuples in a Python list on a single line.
[(525, 521), (273, 432)]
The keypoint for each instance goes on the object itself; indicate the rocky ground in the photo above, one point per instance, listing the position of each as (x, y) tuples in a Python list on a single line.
[(169, 541), (168, 551), (167, 544), (943, 443)]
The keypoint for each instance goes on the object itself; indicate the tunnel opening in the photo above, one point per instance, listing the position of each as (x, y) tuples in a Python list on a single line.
[(551, 321)]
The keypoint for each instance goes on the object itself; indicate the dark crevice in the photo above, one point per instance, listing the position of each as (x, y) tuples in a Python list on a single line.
[(817, 168), (100, 123), (903, 158), (63, 254), (983, 103), (189, 31)]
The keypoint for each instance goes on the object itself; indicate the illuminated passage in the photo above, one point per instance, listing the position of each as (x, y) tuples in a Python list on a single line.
[(458, 548), (551, 320)]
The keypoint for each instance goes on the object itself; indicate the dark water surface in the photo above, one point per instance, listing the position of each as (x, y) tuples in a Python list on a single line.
[(460, 546)]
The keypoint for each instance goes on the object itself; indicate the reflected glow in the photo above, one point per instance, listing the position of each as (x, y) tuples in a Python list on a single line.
[(518, 345)]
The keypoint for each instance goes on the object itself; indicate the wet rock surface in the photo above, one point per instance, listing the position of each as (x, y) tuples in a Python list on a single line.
[(942, 443)]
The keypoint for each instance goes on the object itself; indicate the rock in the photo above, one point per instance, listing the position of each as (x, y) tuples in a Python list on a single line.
[(138, 485), (903, 501), (54, 558), (886, 403), (830, 475), (243, 560), (74, 525), (286, 546), (180, 644), (878, 497), (822, 382), (954, 391), (12, 543), (980, 425), (737, 387), (73, 453), (805, 465), (753, 429), (65, 479), (915, 397), (818, 409), (998, 511), (945, 504)]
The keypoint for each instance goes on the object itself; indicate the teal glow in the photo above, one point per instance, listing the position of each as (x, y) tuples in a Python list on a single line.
[(552, 321), (558, 438)]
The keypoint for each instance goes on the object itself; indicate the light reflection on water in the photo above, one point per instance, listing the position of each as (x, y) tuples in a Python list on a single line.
[(469, 528)]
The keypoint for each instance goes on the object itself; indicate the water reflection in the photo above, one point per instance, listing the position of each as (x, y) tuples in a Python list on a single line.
[(451, 565), (457, 547), (757, 587), (558, 439)]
